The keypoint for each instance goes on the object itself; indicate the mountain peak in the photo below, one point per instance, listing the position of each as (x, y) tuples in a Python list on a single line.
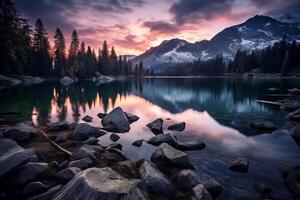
[(257, 19)]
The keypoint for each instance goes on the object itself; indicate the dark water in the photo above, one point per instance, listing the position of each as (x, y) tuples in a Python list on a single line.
[(216, 110)]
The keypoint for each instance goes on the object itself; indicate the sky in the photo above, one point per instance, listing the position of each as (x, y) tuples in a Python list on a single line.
[(133, 26)]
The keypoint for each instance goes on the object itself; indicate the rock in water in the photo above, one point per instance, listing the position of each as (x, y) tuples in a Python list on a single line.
[(156, 126), (114, 137), (211, 185), (82, 163), (154, 180), (239, 165), (263, 125), (167, 155), (91, 141), (66, 80), (101, 115), (34, 187), (116, 121), (67, 174), (20, 132), (87, 118), (196, 144), (187, 179), (83, 131), (12, 156), (138, 143), (86, 151), (100, 183), (177, 127), (131, 118), (199, 193), (163, 138)]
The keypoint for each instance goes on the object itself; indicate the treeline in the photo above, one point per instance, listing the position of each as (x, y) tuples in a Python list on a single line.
[(27, 51), (279, 58), (211, 67)]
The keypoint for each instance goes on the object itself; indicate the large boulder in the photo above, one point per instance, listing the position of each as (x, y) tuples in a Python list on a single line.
[(100, 183), (167, 155), (154, 180), (187, 179), (198, 193), (156, 126), (261, 125), (86, 151), (196, 144), (26, 174), (177, 127), (66, 80), (116, 121), (163, 138), (67, 174), (12, 156), (239, 165), (20, 132), (83, 131), (131, 118)]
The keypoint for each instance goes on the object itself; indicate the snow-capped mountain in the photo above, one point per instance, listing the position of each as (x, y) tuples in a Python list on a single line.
[(257, 32)]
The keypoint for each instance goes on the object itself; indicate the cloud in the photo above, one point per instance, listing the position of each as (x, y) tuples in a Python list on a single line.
[(161, 26)]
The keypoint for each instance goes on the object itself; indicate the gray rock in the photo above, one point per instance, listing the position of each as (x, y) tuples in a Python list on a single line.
[(296, 132), (82, 163), (54, 164), (154, 180), (116, 121), (131, 118), (211, 185), (187, 179), (87, 118), (91, 141), (138, 143), (63, 165), (156, 126), (26, 174), (47, 195), (67, 174), (239, 165), (292, 180), (177, 127), (114, 146), (61, 137), (66, 81), (28, 80), (167, 155), (86, 151), (100, 183), (12, 156), (163, 138), (261, 125), (34, 187), (83, 131), (199, 193), (20, 132), (196, 144), (101, 115), (114, 137), (59, 126)]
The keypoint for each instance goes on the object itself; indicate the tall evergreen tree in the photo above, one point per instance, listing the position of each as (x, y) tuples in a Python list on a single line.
[(285, 64), (60, 65), (73, 63), (104, 67)]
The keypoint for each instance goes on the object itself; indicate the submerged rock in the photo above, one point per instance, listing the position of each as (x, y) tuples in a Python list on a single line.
[(87, 118), (167, 155), (100, 183), (261, 125), (163, 138), (20, 132), (154, 180), (131, 118), (83, 131), (67, 174), (196, 144), (114, 137), (116, 121), (66, 80), (138, 143), (156, 126), (177, 127), (12, 156), (239, 165)]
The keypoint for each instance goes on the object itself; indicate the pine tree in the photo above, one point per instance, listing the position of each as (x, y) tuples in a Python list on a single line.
[(104, 67), (73, 63), (285, 64), (59, 53), (42, 63), (113, 62)]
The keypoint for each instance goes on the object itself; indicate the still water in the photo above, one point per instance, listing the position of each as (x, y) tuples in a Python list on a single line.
[(217, 110)]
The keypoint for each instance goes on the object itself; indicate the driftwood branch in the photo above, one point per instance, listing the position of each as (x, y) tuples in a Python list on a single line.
[(269, 102), (68, 153)]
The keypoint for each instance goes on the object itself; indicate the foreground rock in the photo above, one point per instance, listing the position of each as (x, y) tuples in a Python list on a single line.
[(20, 132), (83, 131), (66, 80), (59, 126), (156, 126), (12, 156), (163, 138), (87, 118), (34, 187), (239, 165), (292, 180), (47, 195), (91, 141), (154, 180), (195, 144), (198, 193), (82, 163), (131, 118), (67, 174), (167, 155), (261, 125), (211, 185), (114, 137), (87, 151), (177, 127), (100, 183), (296, 132), (116, 121), (187, 179)]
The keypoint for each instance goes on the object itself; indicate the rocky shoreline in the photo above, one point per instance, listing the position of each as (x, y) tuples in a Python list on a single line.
[(65, 161)]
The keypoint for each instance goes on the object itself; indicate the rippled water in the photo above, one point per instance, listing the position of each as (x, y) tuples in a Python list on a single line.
[(217, 110)]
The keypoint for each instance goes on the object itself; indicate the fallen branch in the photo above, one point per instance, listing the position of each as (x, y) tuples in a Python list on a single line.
[(68, 153), (269, 102)]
